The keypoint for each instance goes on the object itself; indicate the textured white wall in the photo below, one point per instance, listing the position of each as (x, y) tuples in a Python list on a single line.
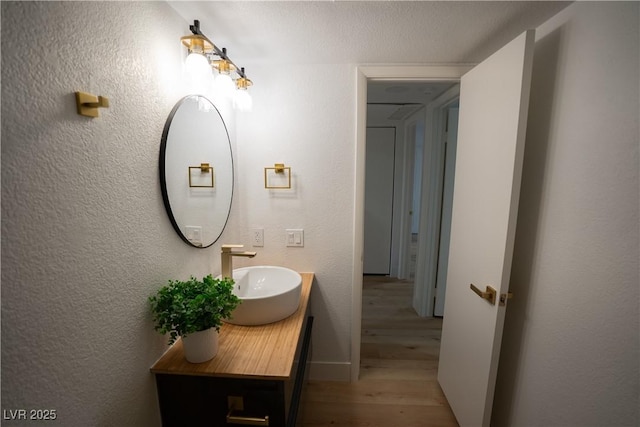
[(305, 119), (570, 351), (85, 237)]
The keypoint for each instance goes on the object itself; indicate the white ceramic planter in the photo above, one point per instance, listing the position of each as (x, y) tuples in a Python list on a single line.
[(200, 346)]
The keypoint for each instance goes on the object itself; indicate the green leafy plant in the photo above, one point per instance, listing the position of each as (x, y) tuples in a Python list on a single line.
[(182, 308)]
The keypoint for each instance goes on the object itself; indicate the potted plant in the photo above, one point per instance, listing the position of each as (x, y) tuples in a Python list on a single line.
[(194, 310)]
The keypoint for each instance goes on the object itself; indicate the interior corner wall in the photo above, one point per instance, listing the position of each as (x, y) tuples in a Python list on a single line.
[(85, 236), (305, 119), (570, 354)]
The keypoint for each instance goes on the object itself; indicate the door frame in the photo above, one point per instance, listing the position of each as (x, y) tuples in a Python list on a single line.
[(431, 204), (407, 213), (363, 75), (446, 207)]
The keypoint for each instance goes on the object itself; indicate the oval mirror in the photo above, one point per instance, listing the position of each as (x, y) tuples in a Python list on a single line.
[(196, 171)]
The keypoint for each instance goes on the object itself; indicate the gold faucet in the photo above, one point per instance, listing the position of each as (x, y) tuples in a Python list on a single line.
[(227, 253)]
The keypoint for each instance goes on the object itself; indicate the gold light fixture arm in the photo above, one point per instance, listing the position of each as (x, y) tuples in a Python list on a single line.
[(243, 82), (200, 43)]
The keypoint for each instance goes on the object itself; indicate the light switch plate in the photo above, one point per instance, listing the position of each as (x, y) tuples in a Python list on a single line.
[(295, 237), (194, 234)]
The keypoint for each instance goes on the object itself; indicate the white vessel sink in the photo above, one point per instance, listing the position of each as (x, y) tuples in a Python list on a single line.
[(268, 294)]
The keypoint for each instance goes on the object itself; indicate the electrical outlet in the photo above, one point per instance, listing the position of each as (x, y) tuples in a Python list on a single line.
[(295, 237), (257, 237), (194, 234)]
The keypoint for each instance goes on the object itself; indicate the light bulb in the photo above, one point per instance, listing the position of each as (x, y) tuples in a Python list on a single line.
[(224, 85), (196, 63), (242, 100), (197, 72)]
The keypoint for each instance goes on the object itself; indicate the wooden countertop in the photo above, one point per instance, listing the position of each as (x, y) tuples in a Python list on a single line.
[(265, 351)]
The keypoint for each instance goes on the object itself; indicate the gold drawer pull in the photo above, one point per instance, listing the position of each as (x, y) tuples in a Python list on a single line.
[(247, 421), (489, 294)]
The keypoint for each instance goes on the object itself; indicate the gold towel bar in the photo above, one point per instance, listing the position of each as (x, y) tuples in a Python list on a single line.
[(278, 168), (204, 168)]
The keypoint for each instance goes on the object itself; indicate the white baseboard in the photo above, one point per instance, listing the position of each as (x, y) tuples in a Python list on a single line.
[(330, 371)]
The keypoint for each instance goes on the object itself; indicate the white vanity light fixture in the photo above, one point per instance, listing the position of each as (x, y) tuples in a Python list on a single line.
[(196, 64), (197, 71), (242, 100), (203, 51), (223, 83)]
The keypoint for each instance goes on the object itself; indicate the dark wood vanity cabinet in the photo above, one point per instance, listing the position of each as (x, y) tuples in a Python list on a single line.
[(194, 401), (257, 378)]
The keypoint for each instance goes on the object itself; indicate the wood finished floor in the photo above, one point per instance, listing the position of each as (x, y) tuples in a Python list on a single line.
[(399, 362)]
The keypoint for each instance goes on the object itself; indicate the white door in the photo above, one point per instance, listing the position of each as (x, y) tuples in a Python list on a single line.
[(494, 98), (378, 199)]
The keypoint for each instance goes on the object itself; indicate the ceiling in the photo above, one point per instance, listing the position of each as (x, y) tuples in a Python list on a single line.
[(364, 32), (395, 101), (259, 33)]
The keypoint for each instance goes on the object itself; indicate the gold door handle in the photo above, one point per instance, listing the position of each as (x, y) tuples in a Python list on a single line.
[(489, 294)]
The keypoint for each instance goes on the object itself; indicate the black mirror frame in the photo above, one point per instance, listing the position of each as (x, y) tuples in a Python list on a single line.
[(163, 177)]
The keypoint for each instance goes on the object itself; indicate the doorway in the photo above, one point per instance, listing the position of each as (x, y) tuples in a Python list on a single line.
[(399, 122), (489, 165), (402, 118), (443, 74)]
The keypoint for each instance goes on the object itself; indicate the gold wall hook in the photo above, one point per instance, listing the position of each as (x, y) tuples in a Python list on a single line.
[(88, 104)]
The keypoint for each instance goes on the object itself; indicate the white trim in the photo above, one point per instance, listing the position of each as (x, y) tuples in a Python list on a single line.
[(397, 208), (330, 371), (431, 204), (364, 73), (407, 214), (450, 72), (358, 223)]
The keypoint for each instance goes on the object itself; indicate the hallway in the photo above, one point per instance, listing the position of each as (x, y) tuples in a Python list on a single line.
[(398, 376)]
